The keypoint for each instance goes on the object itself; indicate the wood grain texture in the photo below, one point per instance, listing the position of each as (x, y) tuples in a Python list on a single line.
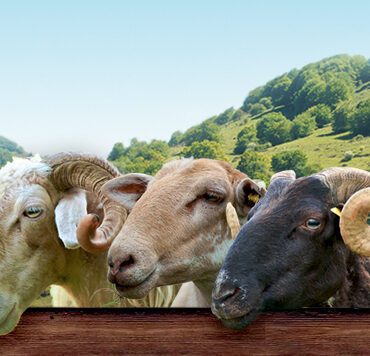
[(187, 331)]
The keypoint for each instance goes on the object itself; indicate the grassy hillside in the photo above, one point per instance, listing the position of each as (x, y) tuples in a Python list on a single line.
[(322, 148), (322, 111), (335, 82), (327, 149)]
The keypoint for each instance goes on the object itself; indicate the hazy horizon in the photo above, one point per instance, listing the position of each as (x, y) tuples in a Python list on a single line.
[(82, 76)]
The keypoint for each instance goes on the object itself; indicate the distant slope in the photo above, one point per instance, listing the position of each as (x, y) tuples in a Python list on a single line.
[(9, 149), (291, 94), (322, 148), (325, 102), (327, 150)]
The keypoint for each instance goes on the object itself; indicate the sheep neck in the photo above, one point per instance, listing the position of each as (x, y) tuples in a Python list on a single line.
[(354, 292), (205, 289), (85, 279)]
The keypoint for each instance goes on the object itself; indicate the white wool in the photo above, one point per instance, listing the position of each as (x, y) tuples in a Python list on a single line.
[(218, 256), (21, 168)]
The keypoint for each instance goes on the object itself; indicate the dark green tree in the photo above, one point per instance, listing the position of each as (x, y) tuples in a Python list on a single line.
[(225, 117), (365, 73), (205, 131), (205, 149), (253, 97), (274, 128), (247, 135), (117, 151), (322, 115), (11, 146), (266, 102), (360, 121), (143, 157), (240, 115), (278, 89), (311, 93), (175, 139), (303, 125), (337, 89), (255, 164), (342, 117), (5, 156), (256, 109), (295, 160)]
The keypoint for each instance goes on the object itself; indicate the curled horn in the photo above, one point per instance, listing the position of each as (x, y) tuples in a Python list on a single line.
[(283, 175), (351, 187), (89, 173), (353, 222), (232, 220)]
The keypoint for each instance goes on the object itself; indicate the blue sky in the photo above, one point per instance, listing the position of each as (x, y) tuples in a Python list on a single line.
[(81, 75)]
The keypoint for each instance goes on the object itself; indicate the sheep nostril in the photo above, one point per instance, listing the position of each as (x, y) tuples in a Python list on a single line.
[(119, 265), (127, 262), (228, 294)]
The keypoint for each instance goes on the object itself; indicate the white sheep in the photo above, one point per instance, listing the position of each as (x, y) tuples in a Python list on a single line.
[(41, 203)]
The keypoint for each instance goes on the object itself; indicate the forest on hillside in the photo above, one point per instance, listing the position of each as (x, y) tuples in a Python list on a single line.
[(9, 149), (306, 120), (331, 97)]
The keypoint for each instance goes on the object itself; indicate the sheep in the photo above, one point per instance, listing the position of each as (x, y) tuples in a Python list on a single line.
[(177, 229), (295, 252), (41, 203)]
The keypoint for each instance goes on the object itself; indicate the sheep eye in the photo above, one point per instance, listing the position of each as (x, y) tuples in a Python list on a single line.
[(368, 219), (313, 224), (211, 197), (33, 212)]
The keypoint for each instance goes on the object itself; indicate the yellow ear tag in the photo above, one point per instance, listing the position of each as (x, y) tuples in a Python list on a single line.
[(254, 198), (336, 211)]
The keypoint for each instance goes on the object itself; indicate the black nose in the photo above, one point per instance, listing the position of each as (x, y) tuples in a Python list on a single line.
[(225, 295), (118, 266)]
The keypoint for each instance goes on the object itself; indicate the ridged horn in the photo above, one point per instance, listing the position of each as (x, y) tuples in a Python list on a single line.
[(89, 173), (289, 174), (350, 186), (232, 220), (353, 223)]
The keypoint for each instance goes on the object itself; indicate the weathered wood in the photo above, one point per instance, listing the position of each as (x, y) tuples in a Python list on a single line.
[(187, 331)]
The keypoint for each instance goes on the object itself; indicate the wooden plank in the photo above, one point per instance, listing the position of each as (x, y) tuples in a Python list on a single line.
[(48, 331)]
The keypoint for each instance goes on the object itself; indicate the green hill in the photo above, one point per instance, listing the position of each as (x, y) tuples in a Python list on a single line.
[(8, 149), (323, 148), (321, 110)]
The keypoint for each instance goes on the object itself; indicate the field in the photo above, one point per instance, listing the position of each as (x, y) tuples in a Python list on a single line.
[(322, 148)]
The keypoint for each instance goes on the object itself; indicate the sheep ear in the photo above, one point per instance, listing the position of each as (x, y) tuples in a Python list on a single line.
[(248, 193), (69, 211), (127, 189)]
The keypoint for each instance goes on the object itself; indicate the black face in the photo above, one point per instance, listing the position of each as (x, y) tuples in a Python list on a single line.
[(289, 254)]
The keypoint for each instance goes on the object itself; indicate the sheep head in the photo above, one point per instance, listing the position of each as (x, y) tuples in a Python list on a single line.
[(294, 252), (40, 207), (178, 229)]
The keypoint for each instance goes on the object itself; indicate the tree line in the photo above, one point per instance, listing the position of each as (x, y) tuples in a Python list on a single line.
[(334, 92), (287, 108)]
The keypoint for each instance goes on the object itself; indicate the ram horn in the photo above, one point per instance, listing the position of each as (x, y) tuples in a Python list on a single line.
[(354, 226), (283, 175), (232, 220), (351, 187), (89, 173)]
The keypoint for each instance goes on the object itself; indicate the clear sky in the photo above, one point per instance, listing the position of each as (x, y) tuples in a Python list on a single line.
[(81, 75)]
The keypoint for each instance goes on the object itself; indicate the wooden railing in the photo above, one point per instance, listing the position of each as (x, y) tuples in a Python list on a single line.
[(51, 331)]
